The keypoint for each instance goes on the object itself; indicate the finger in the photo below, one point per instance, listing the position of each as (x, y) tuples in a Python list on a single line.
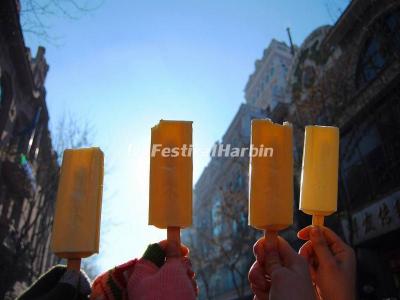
[(335, 243), (307, 252), (320, 247), (258, 250), (256, 276), (287, 254), (260, 294), (164, 245), (330, 236), (272, 260), (304, 234)]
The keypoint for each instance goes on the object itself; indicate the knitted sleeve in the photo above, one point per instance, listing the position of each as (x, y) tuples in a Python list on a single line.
[(112, 285)]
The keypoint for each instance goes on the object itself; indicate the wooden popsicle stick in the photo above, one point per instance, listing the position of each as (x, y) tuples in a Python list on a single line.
[(174, 237), (271, 235), (74, 264), (317, 220)]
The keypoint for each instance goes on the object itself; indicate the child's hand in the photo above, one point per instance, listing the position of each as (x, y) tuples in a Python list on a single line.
[(332, 263), (174, 280), (279, 273)]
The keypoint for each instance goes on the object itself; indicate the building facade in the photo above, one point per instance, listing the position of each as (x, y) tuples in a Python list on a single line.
[(266, 86), (220, 202), (348, 75), (370, 136), (28, 165), (221, 193)]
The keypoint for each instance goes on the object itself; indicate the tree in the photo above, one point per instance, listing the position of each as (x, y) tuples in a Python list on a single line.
[(221, 249), (235, 239), (203, 260), (37, 14)]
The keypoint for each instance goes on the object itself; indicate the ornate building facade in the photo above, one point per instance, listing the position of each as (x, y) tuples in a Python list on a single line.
[(266, 86), (28, 165), (348, 75)]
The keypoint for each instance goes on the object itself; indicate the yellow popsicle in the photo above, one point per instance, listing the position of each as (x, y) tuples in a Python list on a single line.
[(271, 178), (76, 227), (319, 176), (171, 168)]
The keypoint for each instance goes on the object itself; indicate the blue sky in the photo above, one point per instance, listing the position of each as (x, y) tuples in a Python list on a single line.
[(129, 63)]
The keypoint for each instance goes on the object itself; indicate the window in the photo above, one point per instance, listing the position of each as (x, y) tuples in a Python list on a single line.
[(393, 24), (216, 216), (370, 155), (380, 48), (372, 61)]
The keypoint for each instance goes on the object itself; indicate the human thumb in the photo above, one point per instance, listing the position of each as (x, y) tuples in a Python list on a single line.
[(272, 259), (320, 246)]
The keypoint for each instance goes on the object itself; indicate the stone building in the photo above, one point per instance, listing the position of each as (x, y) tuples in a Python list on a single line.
[(221, 193), (368, 38), (220, 237), (348, 75), (266, 86), (28, 165)]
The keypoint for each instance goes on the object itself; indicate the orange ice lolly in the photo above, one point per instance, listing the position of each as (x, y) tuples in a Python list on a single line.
[(319, 176), (271, 177), (76, 228), (171, 168)]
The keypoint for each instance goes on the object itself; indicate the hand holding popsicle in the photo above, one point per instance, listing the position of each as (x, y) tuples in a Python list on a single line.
[(332, 263), (288, 277)]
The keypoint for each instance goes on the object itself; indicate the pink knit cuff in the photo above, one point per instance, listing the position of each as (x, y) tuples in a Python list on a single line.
[(169, 282)]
